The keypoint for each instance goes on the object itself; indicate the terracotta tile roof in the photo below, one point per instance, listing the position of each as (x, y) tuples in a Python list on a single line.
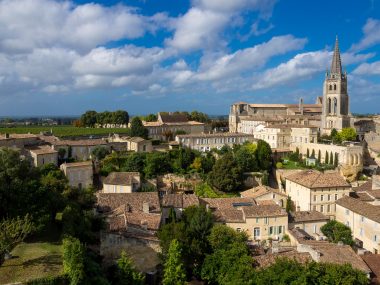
[(364, 187), (43, 149), (120, 178), (307, 216), (227, 203), (136, 139), (215, 135), (362, 208), (266, 202), (260, 191), (315, 179), (362, 196), (179, 200), (108, 202), (263, 211), (173, 118), (267, 260), (123, 210), (228, 216), (373, 262), (89, 142), (338, 254), (78, 164), (17, 136)]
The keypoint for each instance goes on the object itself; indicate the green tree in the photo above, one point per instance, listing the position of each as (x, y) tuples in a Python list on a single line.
[(307, 153), (120, 117), (12, 232), (222, 236), (61, 153), (100, 152), (264, 155), (138, 129), (226, 175), (150, 118), (319, 156), (331, 158), (157, 163), (313, 153), (336, 231), (246, 159), (289, 204), (336, 160), (134, 162), (326, 157), (89, 119), (127, 274), (73, 260), (347, 134), (174, 270)]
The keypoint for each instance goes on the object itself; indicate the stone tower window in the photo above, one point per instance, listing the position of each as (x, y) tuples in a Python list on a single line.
[(329, 105), (335, 105), (334, 86), (330, 87)]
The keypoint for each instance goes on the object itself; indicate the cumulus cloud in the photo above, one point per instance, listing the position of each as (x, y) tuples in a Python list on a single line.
[(29, 24), (368, 68), (371, 31), (202, 25)]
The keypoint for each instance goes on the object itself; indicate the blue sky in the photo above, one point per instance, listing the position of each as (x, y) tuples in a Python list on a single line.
[(66, 57)]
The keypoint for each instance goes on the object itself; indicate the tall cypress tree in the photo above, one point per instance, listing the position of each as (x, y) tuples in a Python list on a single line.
[(319, 156), (331, 158), (327, 158)]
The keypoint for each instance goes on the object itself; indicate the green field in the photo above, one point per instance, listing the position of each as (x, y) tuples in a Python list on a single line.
[(32, 261), (63, 131)]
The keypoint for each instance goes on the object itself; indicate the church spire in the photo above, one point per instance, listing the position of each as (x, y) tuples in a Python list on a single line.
[(336, 65)]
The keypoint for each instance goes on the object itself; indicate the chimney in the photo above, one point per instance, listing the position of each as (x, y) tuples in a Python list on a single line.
[(146, 207), (301, 106)]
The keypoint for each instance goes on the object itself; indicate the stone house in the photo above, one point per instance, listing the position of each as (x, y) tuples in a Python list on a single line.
[(125, 143), (206, 142), (42, 155), (121, 182), (79, 149), (167, 125), (18, 140), (309, 221), (177, 202), (263, 192), (260, 221), (79, 174), (132, 221), (311, 190), (363, 219)]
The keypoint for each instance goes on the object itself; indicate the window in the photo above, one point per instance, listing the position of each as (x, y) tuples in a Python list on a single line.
[(314, 228), (238, 230), (279, 229), (330, 87), (321, 197), (334, 86), (256, 233), (347, 212), (314, 208), (336, 197), (257, 220), (321, 208), (328, 197), (361, 232), (271, 232), (347, 223), (375, 238), (328, 208), (266, 220), (315, 198), (362, 219)]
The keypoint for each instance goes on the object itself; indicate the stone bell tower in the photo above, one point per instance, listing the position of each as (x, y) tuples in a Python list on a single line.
[(335, 103)]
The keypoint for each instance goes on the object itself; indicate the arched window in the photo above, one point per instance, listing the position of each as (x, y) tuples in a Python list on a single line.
[(330, 87), (334, 86), (329, 106), (335, 105)]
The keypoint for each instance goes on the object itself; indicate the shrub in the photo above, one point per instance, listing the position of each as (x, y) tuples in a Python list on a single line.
[(279, 165)]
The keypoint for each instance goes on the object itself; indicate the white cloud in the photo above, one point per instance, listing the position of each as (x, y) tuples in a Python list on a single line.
[(29, 24), (371, 37), (249, 58), (368, 68)]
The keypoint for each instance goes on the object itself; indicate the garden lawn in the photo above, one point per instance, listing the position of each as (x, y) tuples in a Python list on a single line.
[(292, 165), (63, 131), (31, 261)]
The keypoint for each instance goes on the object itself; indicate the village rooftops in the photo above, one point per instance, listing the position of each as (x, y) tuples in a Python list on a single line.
[(43, 149), (373, 262), (290, 126), (181, 201), (307, 216), (108, 202), (78, 164), (121, 178), (136, 139), (17, 136), (314, 179), (359, 207), (260, 191), (173, 118), (227, 203), (89, 142), (271, 210), (215, 135)]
